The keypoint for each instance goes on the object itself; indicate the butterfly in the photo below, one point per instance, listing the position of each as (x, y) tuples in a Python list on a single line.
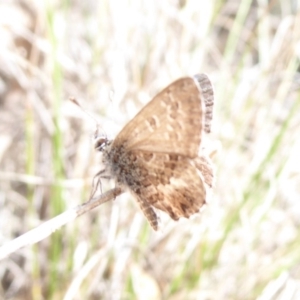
[(158, 155)]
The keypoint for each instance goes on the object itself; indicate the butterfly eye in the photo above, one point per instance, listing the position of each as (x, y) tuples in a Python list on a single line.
[(101, 143)]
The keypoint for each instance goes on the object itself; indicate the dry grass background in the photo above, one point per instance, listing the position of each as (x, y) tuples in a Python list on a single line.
[(245, 245)]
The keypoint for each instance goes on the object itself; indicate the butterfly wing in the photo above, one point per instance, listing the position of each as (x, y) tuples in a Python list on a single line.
[(171, 123), (208, 95), (169, 182)]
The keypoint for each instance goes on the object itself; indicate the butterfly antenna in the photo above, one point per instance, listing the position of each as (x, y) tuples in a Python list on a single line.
[(74, 100), (111, 100)]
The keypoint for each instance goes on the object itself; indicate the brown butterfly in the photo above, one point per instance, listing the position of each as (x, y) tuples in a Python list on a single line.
[(157, 155)]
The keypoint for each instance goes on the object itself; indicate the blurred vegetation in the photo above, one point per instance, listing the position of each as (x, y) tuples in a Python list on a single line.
[(113, 56)]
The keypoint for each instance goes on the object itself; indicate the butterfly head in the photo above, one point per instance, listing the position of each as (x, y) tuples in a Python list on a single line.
[(101, 141)]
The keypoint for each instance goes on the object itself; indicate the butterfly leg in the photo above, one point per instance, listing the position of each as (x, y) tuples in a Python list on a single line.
[(100, 175)]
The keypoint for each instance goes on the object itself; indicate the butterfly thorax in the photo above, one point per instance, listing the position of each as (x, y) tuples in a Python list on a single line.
[(120, 164)]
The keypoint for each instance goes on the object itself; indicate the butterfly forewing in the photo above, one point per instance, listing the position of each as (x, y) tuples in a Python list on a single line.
[(208, 98), (170, 123)]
